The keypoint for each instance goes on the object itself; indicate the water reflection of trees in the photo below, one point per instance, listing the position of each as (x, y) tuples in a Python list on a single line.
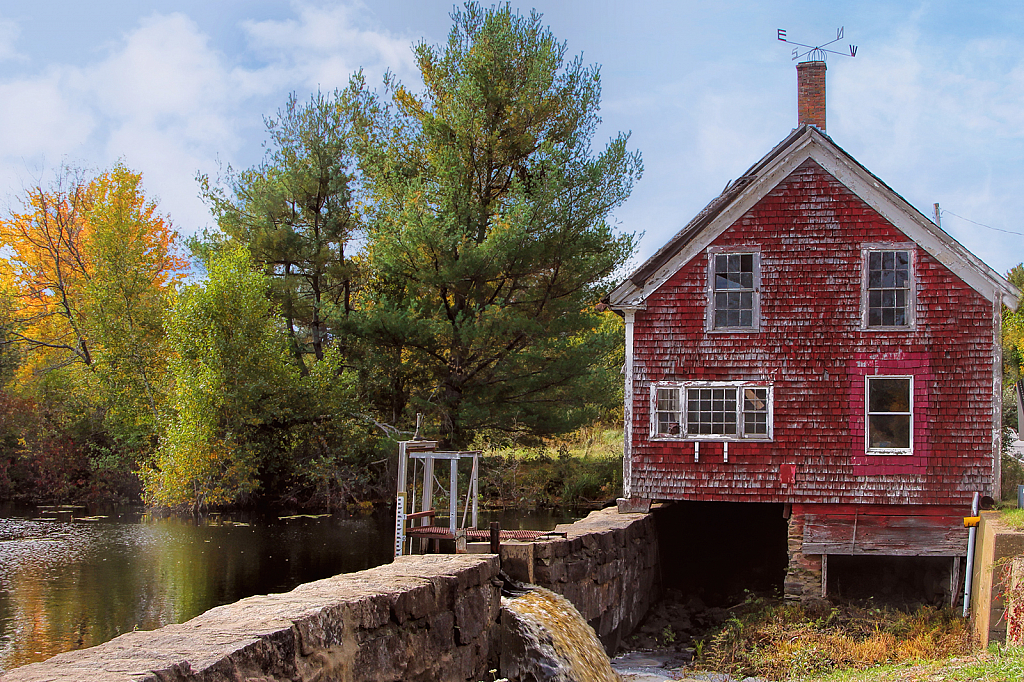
[(80, 585)]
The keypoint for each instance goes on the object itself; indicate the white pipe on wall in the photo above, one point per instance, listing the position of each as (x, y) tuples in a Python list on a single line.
[(971, 537)]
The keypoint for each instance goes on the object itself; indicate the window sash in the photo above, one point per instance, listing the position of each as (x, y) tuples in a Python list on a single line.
[(889, 414), (733, 290), (711, 411), (888, 287)]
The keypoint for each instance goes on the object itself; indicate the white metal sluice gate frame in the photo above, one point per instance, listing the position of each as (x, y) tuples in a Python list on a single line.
[(426, 452)]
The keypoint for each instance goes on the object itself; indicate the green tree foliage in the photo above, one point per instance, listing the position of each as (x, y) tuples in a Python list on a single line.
[(294, 213), (133, 268), (1013, 330), (490, 239), (233, 380), (248, 424)]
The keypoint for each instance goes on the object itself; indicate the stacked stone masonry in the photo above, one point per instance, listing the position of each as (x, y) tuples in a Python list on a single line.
[(607, 566), (803, 576)]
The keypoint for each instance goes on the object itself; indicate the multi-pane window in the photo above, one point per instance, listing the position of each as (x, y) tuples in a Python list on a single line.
[(755, 412), (888, 288), (669, 414), (711, 411), (734, 284), (890, 414), (701, 410)]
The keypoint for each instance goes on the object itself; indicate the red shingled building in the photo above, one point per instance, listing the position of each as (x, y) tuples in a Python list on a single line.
[(811, 339)]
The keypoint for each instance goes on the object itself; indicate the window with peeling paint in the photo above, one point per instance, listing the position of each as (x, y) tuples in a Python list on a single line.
[(890, 414), (734, 282), (712, 411), (888, 288)]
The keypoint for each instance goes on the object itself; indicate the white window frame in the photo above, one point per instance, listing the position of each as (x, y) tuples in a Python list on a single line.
[(867, 416), (683, 386), (911, 312), (755, 325)]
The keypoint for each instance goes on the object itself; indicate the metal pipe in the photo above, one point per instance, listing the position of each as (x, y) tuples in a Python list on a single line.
[(971, 538)]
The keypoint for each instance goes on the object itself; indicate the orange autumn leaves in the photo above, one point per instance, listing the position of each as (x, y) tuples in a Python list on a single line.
[(87, 267)]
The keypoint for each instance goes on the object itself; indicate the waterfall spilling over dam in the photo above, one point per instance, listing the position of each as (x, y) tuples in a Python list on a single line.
[(545, 638)]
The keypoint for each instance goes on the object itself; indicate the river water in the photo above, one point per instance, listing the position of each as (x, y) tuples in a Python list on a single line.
[(69, 585)]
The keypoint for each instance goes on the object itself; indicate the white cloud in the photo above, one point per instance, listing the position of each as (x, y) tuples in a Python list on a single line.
[(323, 45), (169, 103), (9, 32), (39, 117)]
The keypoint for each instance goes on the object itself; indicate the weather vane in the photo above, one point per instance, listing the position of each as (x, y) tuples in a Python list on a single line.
[(817, 52)]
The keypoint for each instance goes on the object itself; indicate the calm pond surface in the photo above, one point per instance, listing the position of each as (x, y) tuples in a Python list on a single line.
[(70, 585)]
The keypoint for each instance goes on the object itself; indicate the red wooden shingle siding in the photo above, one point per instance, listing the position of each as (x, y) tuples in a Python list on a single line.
[(810, 231)]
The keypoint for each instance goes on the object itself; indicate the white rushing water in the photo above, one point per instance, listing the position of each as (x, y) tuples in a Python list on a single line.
[(559, 645)]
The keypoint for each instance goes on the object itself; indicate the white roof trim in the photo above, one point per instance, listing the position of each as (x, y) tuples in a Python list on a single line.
[(813, 145)]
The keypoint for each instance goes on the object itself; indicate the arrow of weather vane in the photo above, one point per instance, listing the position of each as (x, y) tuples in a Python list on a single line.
[(817, 48)]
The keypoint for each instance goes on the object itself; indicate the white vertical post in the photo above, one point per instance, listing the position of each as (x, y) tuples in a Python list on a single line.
[(410, 503), (627, 409), (427, 499), (476, 478), (399, 524), (453, 496), (403, 469)]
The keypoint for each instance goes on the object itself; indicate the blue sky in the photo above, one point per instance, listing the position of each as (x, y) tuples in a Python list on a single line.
[(933, 103)]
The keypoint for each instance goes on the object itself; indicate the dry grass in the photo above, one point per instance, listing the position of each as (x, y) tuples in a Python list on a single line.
[(787, 641)]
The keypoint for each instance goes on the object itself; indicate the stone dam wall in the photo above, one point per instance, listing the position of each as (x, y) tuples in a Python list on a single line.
[(997, 546), (607, 566), (432, 617)]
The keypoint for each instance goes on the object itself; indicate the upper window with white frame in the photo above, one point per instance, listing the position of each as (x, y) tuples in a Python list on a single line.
[(888, 288), (734, 283), (704, 410), (890, 415)]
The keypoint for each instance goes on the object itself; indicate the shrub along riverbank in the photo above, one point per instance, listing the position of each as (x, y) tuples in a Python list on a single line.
[(581, 468)]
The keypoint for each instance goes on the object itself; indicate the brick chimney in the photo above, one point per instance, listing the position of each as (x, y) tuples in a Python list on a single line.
[(810, 97)]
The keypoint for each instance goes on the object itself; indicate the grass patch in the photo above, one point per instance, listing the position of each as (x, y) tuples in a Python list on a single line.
[(1014, 518), (780, 641), (997, 665)]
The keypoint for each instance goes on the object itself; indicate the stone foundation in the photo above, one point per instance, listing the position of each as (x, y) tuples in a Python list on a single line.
[(803, 577)]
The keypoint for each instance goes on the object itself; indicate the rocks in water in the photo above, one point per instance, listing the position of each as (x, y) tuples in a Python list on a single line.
[(545, 639)]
